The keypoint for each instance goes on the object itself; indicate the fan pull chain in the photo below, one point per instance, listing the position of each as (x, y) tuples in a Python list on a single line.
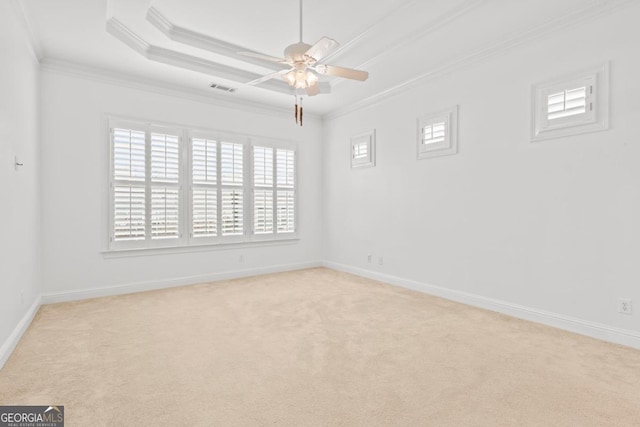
[(300, 111), (296, 109)]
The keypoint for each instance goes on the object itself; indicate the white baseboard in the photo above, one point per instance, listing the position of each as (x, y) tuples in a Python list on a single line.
[(571, 324), (583, 327), (54, 297), (10, 344), (81, 294)]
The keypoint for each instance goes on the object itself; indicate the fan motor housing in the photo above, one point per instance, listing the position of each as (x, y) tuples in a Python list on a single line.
[(296, 51)]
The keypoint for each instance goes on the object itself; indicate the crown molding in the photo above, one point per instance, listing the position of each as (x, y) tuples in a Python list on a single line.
[(163, 88), (23, 18), (430, 26), (182, 60), (203, 41), (592, 10), (362, 35)]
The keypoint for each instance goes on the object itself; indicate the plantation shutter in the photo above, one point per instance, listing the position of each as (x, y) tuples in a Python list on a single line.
[(434, 132), (204, 195), (129, 194), (205, 209), (285, 168), (263, 166), (286, 211), (232, 195), (567, 103), (263, 190), (236, 191), (165, 189), (129, 212), (128, 155), (360, 150), (285, 192), (204, 161)]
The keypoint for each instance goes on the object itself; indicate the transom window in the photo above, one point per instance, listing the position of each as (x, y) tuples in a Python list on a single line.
[(437, 134), (433, 133), (174, 187), (363, 149), (571, 105), (568, 103)]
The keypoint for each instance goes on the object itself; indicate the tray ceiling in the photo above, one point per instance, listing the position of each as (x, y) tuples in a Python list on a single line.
[(193, 43)]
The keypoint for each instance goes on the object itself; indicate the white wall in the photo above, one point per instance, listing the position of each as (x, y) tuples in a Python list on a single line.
[(552, 226), (74, 158), (19, 191)]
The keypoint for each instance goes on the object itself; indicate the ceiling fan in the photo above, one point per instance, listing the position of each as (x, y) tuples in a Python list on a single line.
[(305, 62)]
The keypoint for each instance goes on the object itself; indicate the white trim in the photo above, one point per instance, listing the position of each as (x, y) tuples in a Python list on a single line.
[(579, 326), (368, 137), (12, 340), (192, 38), (16, 335), (372, 29), (128, 288), (595, 119), (148, 245), (449, 145), (574, 16), (428, 27), (168, 89), (171, 57)]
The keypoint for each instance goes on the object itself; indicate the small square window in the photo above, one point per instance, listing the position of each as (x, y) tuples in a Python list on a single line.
[(571, 105), (438, 134), (363, 150)]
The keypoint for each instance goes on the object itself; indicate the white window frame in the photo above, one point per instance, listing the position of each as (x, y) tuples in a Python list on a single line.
[(185, 239), (275, 145), (148, 242), (596, 116), (368, 138), (219, 137), (446, 147)]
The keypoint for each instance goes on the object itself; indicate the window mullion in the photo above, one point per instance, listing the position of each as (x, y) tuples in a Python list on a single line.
[(147, 182), (274, 192), (247, 194), (184, 208), (219, 187)]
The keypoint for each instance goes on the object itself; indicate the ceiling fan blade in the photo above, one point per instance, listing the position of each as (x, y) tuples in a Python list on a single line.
[(267, 77), (312, 90), (321, 48), (347, 73), (263, 57)]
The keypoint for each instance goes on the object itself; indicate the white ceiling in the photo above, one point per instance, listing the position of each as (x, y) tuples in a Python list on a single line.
[(395, 40)]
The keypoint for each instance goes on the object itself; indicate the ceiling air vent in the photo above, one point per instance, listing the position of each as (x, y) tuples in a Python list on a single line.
[(223, 88)]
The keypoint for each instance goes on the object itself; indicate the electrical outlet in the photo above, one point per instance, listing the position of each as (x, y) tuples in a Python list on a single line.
[(380, 261), (369, 257), (625, 306)]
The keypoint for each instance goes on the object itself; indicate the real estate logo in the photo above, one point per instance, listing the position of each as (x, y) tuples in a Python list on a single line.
[(31, 416)]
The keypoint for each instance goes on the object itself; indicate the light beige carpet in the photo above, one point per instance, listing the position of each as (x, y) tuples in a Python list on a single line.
[(313, 348)]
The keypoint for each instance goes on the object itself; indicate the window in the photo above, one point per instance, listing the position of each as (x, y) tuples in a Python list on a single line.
[(285, 192), (572, 105), (145, 196), (363, 148), (173, 187), (165, 186), (274, 193), (204, 189), (438, 134)]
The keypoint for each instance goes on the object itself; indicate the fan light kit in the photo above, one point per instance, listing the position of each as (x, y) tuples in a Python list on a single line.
[(305, 63)]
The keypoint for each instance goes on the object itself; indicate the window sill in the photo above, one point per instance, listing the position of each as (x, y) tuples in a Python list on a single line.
[(124, 253)]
